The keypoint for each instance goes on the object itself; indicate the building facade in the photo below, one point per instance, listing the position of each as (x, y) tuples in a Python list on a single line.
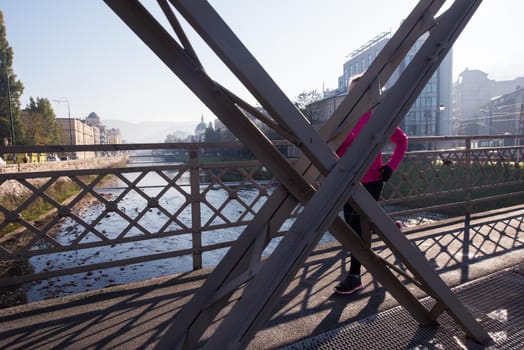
[(503, 115), (113, 136), (75, 131), (474, 95), (430, 115), (200, 131), (360, 59)]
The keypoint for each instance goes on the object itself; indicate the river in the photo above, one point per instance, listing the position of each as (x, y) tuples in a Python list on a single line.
[(112, 225)]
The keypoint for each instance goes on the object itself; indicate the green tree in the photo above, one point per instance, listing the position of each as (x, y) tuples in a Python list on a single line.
[(227, 136), (212, 135), (40, 123), (10, 91)]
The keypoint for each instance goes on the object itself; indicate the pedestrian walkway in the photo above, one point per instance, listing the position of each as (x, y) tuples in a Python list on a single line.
[(496, 301), (482, 263)]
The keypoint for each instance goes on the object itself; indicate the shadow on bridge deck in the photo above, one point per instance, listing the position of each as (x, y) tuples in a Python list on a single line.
[(309, 314)]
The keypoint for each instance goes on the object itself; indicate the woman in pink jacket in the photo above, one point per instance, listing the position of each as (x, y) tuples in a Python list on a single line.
[(373, 181)]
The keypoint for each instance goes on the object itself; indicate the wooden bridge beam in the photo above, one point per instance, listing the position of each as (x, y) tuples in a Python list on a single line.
[(266, 281)]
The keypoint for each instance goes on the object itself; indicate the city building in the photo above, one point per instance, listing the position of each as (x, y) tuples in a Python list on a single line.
[(503, 115), (113, 136), (360, 59), (430, 115), (73, 131), (94, 120), (200, 131), (219, 125), (473, 94)]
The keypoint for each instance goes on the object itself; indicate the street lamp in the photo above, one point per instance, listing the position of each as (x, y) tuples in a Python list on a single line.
[(9, 106), (520, 130), (442, 128), (60, 100)]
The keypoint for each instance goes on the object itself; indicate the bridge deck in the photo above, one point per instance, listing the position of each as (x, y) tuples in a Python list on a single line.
[(500, 313), (135, 316)]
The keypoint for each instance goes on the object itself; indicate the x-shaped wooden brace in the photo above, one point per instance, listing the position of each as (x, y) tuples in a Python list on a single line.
[(265, 281)]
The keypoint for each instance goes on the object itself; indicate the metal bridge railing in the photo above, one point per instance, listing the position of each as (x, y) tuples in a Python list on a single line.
[(154, 208), (458, 177)]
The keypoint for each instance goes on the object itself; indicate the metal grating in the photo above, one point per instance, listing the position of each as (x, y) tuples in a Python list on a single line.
[(501, 314)]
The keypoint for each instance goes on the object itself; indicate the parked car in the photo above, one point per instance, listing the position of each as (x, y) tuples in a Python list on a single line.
[(2, 162), (53, 159)]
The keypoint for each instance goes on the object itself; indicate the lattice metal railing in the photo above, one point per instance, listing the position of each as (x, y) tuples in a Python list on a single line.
[(457, 177), (111, 217)]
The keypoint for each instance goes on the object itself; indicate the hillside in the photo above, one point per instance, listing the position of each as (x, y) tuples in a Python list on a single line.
[(150, 132)]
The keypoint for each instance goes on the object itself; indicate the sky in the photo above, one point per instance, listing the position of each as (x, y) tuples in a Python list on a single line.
[(81, 51)]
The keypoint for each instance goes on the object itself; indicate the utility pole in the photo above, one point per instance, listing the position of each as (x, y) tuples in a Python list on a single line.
[(64, 99), (520, 131)]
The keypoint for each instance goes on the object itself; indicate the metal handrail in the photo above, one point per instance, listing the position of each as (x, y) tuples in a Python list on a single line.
[(198, 214)]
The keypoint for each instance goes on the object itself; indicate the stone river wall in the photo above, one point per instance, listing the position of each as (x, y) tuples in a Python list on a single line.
[(14, 187)]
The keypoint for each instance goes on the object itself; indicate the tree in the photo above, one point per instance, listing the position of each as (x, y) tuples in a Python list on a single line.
[(40, 123), (10, 91), (227, 136), (306, 98), (172, 138), (212, 135)]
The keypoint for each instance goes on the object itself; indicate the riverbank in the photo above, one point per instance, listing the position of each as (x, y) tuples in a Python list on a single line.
[(9, 266)]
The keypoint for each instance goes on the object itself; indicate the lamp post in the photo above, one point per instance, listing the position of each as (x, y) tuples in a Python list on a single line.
[(442, 129), (443, 126), (9, 105), (60, 100), (520, 130)]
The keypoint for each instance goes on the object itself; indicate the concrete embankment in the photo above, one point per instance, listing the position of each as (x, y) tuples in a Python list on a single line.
[(14, 187), (62, 165)]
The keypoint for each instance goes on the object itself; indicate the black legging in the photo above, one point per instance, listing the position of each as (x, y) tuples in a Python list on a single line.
[(353, 219)]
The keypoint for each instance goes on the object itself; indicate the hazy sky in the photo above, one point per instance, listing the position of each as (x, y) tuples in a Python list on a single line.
[(80, 50)]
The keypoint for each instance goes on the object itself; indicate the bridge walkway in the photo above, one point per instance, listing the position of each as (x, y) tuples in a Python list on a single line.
[(484, 265)]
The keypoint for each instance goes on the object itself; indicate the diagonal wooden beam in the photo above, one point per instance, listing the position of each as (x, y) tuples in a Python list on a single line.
[(135, 18), (394, 47), (190, 72), (436, 46), (211, 27), (259, 286), (305, 132)]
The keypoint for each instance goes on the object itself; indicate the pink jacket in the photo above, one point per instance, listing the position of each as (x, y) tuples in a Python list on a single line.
[(399, 138)]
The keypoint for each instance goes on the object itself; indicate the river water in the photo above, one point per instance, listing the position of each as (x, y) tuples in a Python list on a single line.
[(112, 225)]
